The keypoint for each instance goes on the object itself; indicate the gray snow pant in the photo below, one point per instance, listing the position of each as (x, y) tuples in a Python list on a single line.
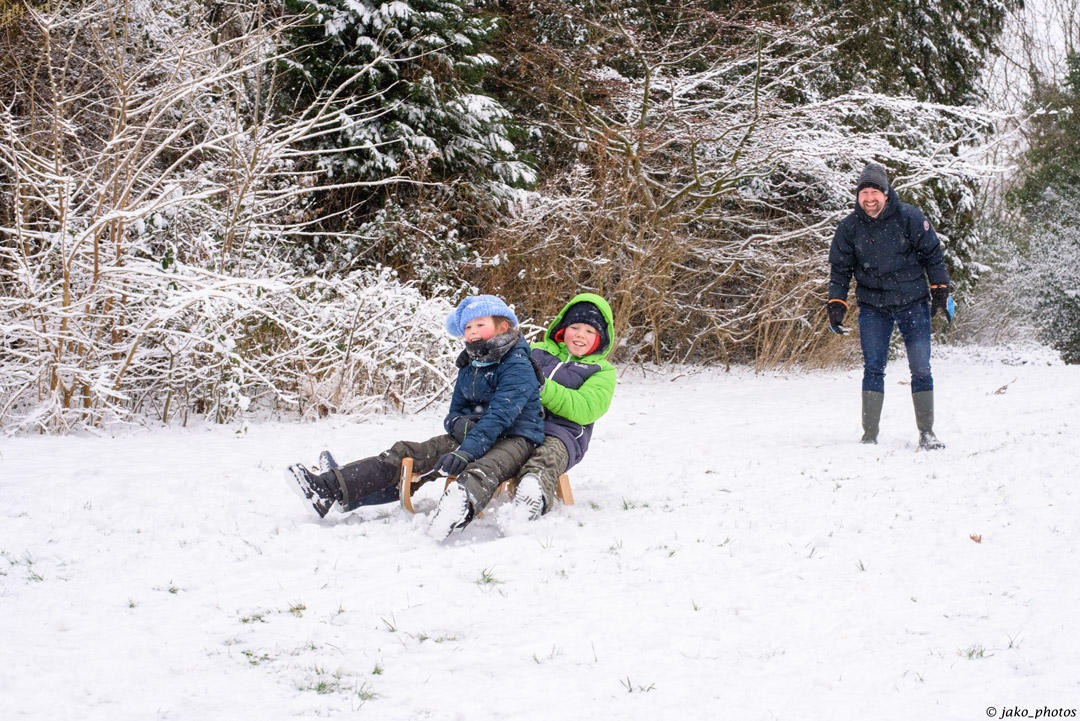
[(548, 461), (481, 478)]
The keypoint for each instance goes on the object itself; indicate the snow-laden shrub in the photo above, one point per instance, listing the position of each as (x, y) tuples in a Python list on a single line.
[(147, 205), (1043, 274), (194, 341)]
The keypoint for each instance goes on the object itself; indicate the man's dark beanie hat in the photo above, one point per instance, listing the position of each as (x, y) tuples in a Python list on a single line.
[(587, 313), (873, 176)]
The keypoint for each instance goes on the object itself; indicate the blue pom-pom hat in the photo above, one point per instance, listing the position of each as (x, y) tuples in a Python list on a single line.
[(477, 306)]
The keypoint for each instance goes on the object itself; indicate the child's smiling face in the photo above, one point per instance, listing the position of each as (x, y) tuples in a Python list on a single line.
[(484, 328), (580, 338)]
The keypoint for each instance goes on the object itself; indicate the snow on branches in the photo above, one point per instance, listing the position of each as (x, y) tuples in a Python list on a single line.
[(150, 186)]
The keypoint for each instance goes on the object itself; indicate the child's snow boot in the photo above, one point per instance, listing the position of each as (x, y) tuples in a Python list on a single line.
[(530, 495), (871, 415), (453, 513), (327, 462), (316, 490), (366, 482), (924, 420)]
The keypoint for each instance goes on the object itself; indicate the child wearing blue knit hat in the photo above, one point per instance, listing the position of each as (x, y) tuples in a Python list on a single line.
[(493, 426)]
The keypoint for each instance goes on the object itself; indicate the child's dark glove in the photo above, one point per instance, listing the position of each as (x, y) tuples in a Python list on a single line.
[(837, 310), (452, 463), (461, 426)]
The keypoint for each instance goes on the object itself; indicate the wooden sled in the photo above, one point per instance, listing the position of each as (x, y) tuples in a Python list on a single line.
[(408, 479)]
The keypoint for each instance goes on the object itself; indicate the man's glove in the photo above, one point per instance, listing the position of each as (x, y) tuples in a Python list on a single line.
[(837, 310), (939, 300), (452, 463)]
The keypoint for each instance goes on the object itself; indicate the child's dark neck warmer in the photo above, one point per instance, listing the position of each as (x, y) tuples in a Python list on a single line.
[(489, 352)]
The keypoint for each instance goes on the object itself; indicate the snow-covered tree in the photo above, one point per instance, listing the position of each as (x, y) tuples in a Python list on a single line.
[(1051, 166), (711, 171), (424, 63)]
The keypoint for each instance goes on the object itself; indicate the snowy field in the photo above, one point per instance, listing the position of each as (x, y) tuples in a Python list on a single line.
[(734, 553)]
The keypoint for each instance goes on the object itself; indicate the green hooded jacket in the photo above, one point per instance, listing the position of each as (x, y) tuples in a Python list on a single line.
[(577, 391)]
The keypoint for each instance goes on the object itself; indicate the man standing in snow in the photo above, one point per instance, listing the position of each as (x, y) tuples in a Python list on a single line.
[(891, 250)]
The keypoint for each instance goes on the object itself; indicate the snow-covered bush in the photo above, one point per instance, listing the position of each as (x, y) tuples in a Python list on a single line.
[(150, 193), (1036, 282)]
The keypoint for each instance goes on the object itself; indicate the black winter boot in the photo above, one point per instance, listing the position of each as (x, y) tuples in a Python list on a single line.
[(327, 462), (924, 420), (871, 415), (316, 490)]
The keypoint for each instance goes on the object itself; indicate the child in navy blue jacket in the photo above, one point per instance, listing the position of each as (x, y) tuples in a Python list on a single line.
[(493, 426)]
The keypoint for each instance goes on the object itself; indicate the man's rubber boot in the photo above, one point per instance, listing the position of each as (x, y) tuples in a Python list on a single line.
[(871, 415), (924, 420)]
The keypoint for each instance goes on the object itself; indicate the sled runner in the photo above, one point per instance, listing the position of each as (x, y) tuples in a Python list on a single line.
[(408, 478)]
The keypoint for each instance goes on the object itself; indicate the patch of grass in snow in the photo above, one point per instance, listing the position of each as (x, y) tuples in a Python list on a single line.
[(297, 609), (327, 683), (253, 618), (377, 671), (555, 652), (324, 683), (487, 578), (254, 659), (976, 651), (631, 687), (28, 560)]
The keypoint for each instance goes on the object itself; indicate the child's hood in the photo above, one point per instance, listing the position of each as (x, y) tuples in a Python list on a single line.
[(605, 310)]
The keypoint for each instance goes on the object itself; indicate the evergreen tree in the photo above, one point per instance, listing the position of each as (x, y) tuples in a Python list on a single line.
[(934, 50), (1051, 166), (422, 62)]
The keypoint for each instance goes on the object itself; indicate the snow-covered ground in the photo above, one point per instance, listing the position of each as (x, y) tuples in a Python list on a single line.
[(734, 553)]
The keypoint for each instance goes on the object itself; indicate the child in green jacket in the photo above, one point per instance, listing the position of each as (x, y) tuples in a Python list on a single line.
[(577, 389)]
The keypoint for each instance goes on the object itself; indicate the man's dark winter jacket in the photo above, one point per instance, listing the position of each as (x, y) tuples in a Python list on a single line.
[(890, 256), (503, 398)]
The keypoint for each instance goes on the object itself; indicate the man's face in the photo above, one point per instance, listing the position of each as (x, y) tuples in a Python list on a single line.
[(872, 201)]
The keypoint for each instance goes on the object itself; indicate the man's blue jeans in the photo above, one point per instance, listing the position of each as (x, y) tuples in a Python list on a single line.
[(875, 331)]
